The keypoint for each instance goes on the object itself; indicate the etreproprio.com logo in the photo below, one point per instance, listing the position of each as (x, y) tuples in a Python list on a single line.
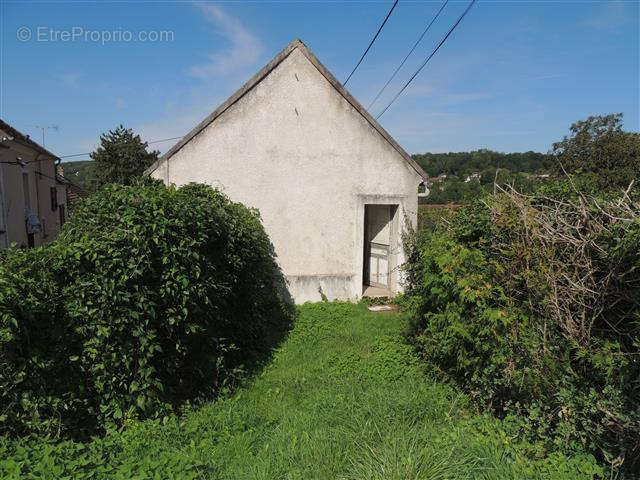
[(81, 34)]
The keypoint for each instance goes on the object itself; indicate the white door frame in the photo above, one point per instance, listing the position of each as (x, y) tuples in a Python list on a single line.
[(396, 253)]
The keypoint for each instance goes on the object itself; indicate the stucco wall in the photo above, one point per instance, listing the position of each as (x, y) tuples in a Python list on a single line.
[(294, 148)]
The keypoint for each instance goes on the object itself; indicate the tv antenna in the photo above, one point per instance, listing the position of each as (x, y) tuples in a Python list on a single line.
[(55, 128)]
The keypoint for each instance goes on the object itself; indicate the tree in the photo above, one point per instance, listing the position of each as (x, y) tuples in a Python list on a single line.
[(462, 164), (599, 146), (121, 157)]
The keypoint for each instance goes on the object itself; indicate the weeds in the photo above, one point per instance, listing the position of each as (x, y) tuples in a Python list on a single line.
[(343, 398)]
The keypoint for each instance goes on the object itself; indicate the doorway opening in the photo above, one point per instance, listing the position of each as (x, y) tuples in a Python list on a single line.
[(379, 243)]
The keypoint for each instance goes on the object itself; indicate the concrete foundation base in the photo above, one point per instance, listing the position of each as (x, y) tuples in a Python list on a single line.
[(376, 292)]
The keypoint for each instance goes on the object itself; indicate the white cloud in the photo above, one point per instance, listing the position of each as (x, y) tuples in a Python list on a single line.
[(445, 96), (68, 79), (422, 90), (243, 48), (187, 107), (550, 76), (611, 17), (178, 120), (176, 127)]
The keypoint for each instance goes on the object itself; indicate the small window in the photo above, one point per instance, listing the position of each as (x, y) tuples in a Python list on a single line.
[(54, 198), (62, 215)]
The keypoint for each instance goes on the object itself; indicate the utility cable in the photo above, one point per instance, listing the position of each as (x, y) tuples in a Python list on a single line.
[(409, 54), (371, 42), (149, 143), (428, 58)]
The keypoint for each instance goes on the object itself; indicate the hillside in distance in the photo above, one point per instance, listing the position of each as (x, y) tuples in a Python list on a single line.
[(79, 173), (461, 164), (461, 177)]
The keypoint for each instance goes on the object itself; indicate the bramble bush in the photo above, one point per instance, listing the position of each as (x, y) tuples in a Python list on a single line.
[(429, 216), (531, 304), (152, 296)]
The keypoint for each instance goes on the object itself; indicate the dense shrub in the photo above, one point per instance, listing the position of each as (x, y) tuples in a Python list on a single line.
[(429, 216), (532, 304), (118, 456), (150, 297), (344, 398)]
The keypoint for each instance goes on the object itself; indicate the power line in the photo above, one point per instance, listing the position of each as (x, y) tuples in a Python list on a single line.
[(409, 54), (371, 42), (76, 155), (149, 143), (64, 178), (165, 139), (428, 58), (23, 164)]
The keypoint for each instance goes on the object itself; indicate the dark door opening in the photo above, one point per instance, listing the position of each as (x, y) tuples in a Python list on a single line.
[(378, 236)]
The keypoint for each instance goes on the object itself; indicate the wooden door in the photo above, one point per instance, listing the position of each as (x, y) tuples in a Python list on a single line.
[(377, 244)]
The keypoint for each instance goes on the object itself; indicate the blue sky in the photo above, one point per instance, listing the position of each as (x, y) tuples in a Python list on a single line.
[(512, 77)]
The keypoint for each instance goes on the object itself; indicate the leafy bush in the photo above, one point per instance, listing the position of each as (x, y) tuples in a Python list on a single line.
[(151, 297), (429, 216), (100, 459), (532, 305)]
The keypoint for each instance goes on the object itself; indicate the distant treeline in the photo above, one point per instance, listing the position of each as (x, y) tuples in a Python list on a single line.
[(79, 173), (461, 164), (470, 175)]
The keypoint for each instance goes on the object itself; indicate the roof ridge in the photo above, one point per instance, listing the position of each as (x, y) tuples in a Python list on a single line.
[(259, 76)]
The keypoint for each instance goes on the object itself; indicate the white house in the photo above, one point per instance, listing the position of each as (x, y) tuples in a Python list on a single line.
[(474, 176), (334, 190)]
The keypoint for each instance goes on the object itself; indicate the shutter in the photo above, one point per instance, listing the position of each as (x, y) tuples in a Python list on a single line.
[(54, 198)]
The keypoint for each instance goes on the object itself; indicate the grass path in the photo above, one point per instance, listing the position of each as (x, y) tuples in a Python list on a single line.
[(343, 398)]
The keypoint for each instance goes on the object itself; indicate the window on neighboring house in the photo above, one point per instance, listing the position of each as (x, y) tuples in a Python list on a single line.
[(62, 215), (53, 191)]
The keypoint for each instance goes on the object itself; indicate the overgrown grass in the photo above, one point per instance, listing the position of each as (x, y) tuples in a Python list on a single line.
[(343, 398)]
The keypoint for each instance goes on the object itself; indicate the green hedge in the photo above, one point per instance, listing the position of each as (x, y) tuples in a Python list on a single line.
[(151, 297), (478, 295)]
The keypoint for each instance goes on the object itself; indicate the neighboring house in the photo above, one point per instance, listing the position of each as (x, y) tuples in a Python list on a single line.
[(334, 190), (32, 198), (474, 176), (431, 181), (74, 192)]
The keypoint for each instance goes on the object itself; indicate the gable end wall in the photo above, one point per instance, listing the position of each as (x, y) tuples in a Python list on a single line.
[(295, 149)]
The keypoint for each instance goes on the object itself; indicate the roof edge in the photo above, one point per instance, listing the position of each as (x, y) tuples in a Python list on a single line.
[(360, 109), (258, 77), (25, 140), (237, 95)]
